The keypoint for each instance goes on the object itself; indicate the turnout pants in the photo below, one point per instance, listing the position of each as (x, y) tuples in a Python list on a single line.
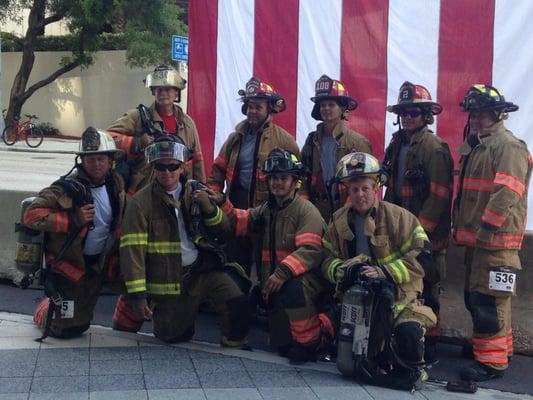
[(489, 305), (79, 301), (294, 316), (174, 315)]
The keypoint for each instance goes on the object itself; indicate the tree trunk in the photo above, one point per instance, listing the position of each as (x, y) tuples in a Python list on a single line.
[(16, 100)]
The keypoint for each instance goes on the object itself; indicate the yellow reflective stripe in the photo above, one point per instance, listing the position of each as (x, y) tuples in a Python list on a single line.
[(400, 270), (398, 308), (332, 268), (418, 233), (136, 286), (163, 288), (389, 258), (217, 219), (164, 247), (134, 239)]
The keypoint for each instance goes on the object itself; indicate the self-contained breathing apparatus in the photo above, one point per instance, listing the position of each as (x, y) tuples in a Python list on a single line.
[(365, 344)]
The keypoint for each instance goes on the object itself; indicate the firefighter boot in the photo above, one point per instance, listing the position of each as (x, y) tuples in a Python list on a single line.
[(478, 372)]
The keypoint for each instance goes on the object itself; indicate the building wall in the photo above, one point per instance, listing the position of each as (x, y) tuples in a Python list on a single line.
[(94, 96)]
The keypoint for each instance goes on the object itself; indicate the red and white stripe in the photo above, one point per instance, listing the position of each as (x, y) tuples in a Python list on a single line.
[(370, 45)]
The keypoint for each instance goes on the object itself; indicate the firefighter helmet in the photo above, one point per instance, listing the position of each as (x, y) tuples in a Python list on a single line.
[(486, 98), (256, 89), (94, 141), (283, 162), (167, 147), (412, 95), (331, 89), (165, 75), (359, 164)]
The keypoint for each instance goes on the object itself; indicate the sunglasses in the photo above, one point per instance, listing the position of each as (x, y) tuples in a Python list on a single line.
[(166, 167), (412, 113)]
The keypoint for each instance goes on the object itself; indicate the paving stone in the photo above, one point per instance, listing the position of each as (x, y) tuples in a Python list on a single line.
[(196, 355), (232, 394), (62, 368), (114, 353), (17, 343), (317, 378), (254, 365), (71, 354), (115, 382), (29, 355), (173, 394), (289, 393), (227, 379), (379, 393), (167, 366), (14, 396), (116, 367), (174, 380), (16, 368), (60, 396), (277, 379), (15, 385), (60, 384), (206, 365), (342, 393), (162, 353), (102, 340), (119, 395)]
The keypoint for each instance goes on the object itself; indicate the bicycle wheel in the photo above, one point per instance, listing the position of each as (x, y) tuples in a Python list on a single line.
[(10, 135), (34, 136)]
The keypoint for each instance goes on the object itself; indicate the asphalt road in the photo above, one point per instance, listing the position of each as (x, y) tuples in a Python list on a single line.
[(517, 380)]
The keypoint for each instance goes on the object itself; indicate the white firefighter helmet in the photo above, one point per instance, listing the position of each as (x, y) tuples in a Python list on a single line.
[(359, 164), (94, 141), (165, 75), (167, 148)]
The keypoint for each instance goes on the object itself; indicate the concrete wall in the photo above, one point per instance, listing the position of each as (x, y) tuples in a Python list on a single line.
[(94, 96)]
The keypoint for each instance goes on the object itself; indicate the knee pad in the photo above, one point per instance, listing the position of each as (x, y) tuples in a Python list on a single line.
[(72, 332), (292, 294), (484, 313), (239, 315), (409, 342)]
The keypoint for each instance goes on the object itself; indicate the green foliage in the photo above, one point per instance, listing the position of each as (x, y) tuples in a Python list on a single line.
[(49, 129), (105, 41)]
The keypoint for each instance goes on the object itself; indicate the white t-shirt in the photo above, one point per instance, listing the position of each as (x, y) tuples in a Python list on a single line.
[(103, 216), (189, 252)]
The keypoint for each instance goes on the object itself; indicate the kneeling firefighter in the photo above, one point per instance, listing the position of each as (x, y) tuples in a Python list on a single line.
[(170, 258), (80, 215), (381, 248)]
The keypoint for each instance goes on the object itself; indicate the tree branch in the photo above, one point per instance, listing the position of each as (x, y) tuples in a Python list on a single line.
[(66, 68), (50, 19)]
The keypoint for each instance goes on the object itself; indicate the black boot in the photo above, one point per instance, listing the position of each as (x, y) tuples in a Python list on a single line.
[(478, 372), (467, 351), (299, 354), (430, 350)]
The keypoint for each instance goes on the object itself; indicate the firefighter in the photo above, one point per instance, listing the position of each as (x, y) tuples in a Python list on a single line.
[(81, 214), (331, 141), (379, 240), (238, 165), (169, 260), (138, 127), (287, 231), (489, 220), (420, 167)]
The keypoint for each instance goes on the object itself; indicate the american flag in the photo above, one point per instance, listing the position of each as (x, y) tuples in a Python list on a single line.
[(372, 46)]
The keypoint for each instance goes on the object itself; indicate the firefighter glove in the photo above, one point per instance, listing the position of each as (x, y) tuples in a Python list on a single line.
[(202, 198)]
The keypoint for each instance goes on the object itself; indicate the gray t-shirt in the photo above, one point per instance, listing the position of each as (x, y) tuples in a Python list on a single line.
[(245, 162), (328, 160), (400, 169), (361, 241)]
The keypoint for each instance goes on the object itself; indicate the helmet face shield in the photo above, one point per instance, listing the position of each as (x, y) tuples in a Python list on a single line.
[(280, 162), (359, 164), (165, 76), (486, 98), (167, 150)]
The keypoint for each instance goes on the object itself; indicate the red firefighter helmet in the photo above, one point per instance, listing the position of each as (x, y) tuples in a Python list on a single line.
[(331, 89), (412, 95), (256, 89)]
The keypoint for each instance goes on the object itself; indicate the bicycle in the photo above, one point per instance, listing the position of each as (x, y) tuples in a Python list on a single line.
[(33, 135)]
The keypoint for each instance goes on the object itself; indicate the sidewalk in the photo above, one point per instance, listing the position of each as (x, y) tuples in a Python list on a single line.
[(49, 145), (104, 364)]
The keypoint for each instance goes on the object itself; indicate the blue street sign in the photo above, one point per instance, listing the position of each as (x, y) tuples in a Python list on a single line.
[(180, 48)]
